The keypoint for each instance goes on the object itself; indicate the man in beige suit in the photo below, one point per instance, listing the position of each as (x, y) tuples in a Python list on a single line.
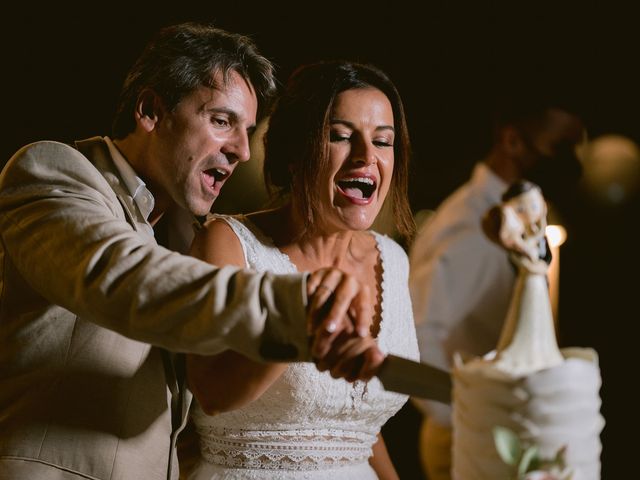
[(90, 304)]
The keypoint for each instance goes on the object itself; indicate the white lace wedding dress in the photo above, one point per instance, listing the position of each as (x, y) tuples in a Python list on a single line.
[(308, 425)]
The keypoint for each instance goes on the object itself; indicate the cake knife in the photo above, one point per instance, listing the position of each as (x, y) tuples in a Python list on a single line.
[(402, 375)]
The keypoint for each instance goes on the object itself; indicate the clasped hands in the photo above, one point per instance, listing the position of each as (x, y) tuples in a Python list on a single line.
[(339, 317)]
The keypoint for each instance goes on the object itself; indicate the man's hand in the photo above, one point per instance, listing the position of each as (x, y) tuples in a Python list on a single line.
[(339, 317)]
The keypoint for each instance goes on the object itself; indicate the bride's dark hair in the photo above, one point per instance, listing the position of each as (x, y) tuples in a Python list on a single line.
[(297, 140)]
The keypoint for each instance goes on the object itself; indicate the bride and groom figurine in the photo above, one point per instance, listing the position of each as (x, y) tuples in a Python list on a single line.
[(528, 342)]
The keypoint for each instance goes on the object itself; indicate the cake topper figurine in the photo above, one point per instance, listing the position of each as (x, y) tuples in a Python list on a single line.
[(528, 342), (522, 229)]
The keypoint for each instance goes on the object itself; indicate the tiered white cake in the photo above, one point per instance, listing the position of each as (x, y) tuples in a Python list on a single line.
[(548, 398), (554, 408)]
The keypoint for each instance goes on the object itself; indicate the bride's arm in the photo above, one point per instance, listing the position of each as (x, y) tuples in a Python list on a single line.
[(381, 461), (228, 380)]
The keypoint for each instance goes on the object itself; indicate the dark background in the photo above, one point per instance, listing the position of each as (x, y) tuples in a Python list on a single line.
[(62, 67)]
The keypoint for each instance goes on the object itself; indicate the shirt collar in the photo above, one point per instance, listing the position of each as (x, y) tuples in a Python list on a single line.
[(485, 179), (135, 185)]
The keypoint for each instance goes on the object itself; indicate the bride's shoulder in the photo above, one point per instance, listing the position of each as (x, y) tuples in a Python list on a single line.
[(217, 242), (219, 226)]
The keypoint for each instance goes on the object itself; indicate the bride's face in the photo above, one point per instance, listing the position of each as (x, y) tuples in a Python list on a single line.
[(361, 158)]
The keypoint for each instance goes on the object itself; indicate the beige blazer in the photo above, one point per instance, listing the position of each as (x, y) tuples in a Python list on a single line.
[(85, 291)]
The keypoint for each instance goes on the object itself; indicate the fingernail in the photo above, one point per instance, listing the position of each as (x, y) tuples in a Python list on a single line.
[(363, 331), (331, 327)]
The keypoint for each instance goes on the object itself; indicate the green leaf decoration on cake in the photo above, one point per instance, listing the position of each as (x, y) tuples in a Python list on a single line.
[(529, 461), (508, 445), (525, 460)]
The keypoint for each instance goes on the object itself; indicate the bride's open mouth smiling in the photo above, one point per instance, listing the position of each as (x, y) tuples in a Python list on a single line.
[(357, 189)]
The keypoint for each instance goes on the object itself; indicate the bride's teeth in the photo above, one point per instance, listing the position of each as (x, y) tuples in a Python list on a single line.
[(351, 188), (366, 180)]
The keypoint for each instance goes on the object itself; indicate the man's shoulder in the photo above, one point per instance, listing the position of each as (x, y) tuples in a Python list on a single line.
[(467, 201), (42, 158), (459, 214), (453, 231), (451, 220), (49, 163), (51, 151), (44, 147)]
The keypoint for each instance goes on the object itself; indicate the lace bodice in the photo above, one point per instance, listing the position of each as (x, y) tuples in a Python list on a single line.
[(307, 424)]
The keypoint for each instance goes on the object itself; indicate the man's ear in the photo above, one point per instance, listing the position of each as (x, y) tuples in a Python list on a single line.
[(149, 110)]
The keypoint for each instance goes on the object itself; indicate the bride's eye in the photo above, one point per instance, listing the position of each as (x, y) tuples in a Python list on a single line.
[(338, 137)]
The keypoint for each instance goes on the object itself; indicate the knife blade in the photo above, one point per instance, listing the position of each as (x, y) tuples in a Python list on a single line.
[(402, 375)]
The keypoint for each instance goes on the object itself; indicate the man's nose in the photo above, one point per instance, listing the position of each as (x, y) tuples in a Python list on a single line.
[(237, 147)]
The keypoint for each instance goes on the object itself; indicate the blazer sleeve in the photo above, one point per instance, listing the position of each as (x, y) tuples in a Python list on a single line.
[(66, 233)]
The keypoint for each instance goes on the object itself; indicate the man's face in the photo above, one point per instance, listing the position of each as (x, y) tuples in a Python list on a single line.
[(196, 147), (551, 161)]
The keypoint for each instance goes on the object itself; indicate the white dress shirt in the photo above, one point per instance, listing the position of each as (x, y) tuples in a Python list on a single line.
[(136, 186), (460, 282)]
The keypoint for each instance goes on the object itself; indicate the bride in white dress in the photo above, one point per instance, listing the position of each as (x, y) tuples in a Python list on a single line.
[(337, 144)]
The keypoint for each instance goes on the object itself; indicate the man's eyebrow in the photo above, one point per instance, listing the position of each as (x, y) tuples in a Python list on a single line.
[(226, 111), (232, 114), (349, 124)]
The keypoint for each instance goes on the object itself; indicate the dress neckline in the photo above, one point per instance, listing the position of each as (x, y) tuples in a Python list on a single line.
[(268, 241)]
